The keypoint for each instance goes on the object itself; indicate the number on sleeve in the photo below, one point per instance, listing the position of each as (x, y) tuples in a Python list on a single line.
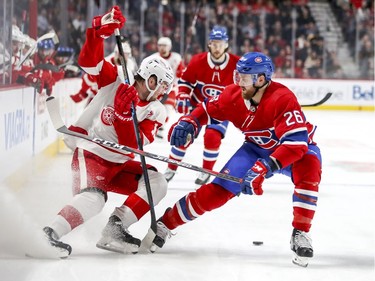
[(293, 117)]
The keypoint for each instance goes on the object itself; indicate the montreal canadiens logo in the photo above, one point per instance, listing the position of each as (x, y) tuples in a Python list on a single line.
[(108, 115), (210, 90), (258, 59)]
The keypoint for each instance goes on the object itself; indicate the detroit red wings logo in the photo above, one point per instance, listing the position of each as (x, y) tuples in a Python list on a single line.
[(108, 115)]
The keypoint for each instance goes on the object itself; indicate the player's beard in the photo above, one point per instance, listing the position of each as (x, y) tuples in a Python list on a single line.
[(217, 55), (248, 92)]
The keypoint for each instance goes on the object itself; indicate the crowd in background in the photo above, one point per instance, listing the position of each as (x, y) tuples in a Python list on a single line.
[(261, 25)]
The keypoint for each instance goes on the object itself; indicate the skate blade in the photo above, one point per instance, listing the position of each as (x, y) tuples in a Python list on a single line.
[(300, 261), (128, 249), (53, 253), (147, 244)]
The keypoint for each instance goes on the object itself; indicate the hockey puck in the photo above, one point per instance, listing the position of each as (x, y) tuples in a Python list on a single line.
[(257, 243)]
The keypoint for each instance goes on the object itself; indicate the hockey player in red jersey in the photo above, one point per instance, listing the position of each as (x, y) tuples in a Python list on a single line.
[(98, 170), (175, 61), (205, 77), (278, 139)]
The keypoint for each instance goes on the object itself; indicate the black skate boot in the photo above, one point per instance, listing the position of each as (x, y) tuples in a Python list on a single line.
[(169, 174), (64, 250), (162, 233), (202, 179), (300, 243), (116, 238)]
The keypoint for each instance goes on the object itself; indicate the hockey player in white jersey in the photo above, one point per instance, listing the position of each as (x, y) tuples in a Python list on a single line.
[(98, 170), (176, 62)]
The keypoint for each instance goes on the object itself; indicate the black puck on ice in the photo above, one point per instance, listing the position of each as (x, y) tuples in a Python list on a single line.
[(257, 243)]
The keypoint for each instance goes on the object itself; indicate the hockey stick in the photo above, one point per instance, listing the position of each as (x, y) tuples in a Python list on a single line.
[(153, 227), (58, 124), (323, 100), (193, 23), (32, 50)]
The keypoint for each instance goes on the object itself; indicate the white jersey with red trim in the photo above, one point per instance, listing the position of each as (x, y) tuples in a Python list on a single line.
[(98, 118)]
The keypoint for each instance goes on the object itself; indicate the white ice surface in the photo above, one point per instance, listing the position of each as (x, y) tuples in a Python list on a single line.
[(217, 246)]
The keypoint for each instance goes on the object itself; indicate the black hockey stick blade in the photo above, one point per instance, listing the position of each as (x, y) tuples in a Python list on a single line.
[(58, 124), (323, 100)]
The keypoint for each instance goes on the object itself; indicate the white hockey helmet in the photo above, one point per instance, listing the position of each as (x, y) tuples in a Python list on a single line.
[(159, 67), (165, 41), (30, 42), (17, 34)]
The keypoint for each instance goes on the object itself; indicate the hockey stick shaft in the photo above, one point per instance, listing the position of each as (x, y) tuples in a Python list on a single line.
[(323, 100), (122, 56), (137, 135), (193, 23), (58, 124)]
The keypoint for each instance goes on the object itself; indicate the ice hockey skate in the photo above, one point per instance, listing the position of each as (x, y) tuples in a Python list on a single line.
[(160, 133), (169, 174), (162, 233), (116, 238), (300, 243), (202, 178), (64, 250)]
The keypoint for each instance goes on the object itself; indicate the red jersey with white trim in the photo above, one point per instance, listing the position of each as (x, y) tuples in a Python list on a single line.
[(202, 78), (277, 123), (98, 118)]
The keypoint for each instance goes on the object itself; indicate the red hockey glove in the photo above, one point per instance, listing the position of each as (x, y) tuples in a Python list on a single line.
[(125, 96), (254, 177), (183, 103), (183, 132), (105, 25), (33, 80), (80, 96)]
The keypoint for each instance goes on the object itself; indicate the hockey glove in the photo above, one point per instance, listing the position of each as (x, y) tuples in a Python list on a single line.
[(105, 25), (125, 96), (254, 177), (33, 80), (183, 103), (183, 132), (80, 96)]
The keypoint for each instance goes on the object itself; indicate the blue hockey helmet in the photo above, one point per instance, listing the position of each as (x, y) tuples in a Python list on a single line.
[(46, 48), (64, 52), (219, 33), (255, 63), (46, 44)]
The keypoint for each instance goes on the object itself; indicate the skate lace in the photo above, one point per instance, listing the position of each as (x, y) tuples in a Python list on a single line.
[(302, 240), (162, 231)]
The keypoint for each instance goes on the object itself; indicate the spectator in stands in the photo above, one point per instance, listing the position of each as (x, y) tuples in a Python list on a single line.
[(366, 58)]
